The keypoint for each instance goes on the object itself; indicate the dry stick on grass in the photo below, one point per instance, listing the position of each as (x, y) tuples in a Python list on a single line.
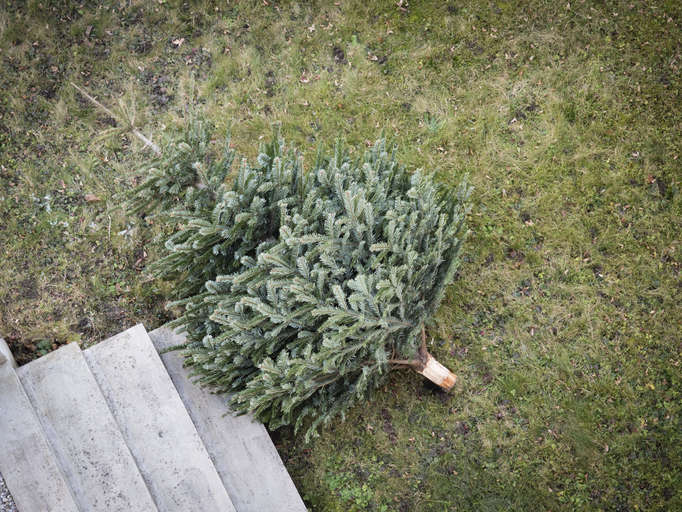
[(136, 132)]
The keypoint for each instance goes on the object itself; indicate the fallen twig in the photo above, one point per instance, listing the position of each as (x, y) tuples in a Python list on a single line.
[(136, 132)]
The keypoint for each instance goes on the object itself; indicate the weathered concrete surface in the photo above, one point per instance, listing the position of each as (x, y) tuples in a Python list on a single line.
[(155, 424), (240, 447), (6, 354), (27, 462), (90, 449)]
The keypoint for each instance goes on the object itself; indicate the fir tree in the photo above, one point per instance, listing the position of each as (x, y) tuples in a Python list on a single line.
[(300, 291)]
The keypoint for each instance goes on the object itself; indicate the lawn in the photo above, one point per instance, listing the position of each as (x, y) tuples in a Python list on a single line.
[(563, 325)]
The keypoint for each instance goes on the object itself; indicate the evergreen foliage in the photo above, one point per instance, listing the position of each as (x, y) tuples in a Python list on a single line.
[(300, 290)]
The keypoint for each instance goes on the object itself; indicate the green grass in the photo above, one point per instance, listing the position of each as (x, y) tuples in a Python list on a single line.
[(563, 325)]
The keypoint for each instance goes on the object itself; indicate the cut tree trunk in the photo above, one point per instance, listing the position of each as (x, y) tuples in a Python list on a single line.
[(428, 366), (435, 372)]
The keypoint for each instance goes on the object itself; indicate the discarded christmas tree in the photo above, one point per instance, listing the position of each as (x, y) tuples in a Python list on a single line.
[(300, 291)]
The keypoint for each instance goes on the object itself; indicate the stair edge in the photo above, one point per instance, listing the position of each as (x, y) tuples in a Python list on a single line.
[(90, 355), (139, 486), (54, 473)]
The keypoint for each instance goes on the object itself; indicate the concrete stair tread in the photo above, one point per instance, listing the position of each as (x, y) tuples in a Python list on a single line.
[(155, 424), (27, 463), (83, 434), (240, 447)]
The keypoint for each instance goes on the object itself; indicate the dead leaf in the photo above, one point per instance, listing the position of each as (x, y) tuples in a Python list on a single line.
[(92, 198), (178, 42)]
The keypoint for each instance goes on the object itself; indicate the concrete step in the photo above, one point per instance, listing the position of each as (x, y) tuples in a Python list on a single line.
[(240, 447), (155, 424), (27, 463), (81, 430)]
